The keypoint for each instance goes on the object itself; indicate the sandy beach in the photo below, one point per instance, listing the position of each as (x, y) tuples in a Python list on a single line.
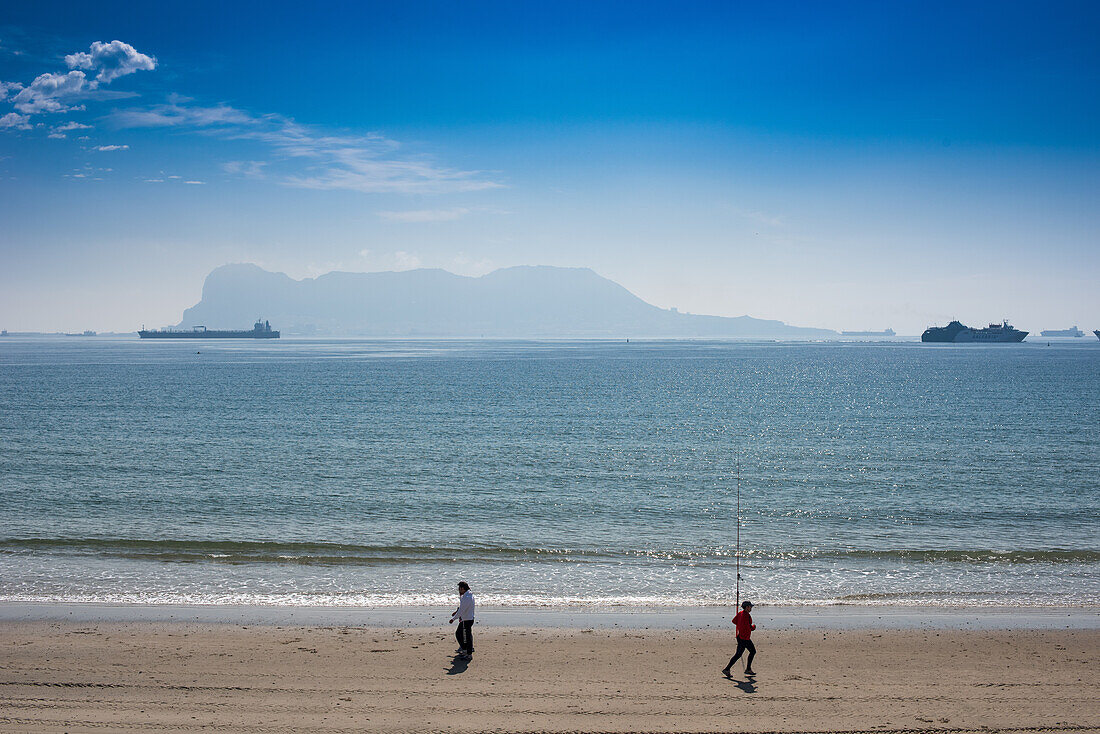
[(150, 676)]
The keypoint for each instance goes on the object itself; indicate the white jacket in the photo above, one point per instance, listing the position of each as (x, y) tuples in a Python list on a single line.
[(465, 611)]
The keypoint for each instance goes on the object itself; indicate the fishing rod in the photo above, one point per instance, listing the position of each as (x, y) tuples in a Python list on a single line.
[(737, 554)]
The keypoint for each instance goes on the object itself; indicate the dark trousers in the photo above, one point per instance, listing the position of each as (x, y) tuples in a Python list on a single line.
[(743, 645), (464, 633)]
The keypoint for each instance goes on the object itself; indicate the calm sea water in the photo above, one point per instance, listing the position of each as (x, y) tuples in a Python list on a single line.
[(595, 473)]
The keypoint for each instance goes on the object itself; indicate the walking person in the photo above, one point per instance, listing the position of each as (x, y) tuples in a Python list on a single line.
[(464, 615), (743, 622)]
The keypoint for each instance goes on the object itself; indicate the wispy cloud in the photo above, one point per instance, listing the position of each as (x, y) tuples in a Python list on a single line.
[(172, 178), (297, 155), (178, 114), (400, 260), (307, 157), (59, 131), (247, 169), (88, 172), (425, 215), (760, 217), (462, 264)]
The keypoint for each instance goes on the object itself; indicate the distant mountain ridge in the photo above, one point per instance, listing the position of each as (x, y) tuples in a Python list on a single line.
[(522, 302)]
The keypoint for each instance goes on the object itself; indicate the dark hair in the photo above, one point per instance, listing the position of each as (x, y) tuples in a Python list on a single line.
[(746, 604), (463, 585)]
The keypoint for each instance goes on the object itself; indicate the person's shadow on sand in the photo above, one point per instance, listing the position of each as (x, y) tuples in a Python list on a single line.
[(747, 686), (458, 665)]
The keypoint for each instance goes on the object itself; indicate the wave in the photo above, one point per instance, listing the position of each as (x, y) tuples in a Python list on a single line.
[(336, 553), (378, 600)]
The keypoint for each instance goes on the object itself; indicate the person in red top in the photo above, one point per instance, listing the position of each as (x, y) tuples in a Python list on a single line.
[(744, 625)]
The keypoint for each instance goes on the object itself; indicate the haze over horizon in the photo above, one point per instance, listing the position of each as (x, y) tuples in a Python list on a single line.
[(850, 166)]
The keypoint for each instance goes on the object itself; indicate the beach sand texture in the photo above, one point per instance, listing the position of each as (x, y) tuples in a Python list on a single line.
[(75, 677)]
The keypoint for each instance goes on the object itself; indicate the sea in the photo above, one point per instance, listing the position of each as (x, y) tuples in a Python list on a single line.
[(588, 474)]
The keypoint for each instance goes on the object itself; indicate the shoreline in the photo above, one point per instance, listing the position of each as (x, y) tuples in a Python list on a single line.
[(835, 617), (81, 677)]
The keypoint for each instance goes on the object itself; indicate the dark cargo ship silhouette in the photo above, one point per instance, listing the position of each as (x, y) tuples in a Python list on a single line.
[(884, 332), (261, 330), (959, 334)]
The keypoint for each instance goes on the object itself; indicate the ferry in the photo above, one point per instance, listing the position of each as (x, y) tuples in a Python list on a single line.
[(957, 333)]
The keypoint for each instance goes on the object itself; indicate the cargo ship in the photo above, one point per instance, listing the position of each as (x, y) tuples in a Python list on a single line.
[(261, 330), (1072, 331), (885, 332), (956, 333)]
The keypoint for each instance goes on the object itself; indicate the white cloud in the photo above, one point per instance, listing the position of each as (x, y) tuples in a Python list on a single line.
[(406, 260), (759, 217), (462, 264), (195, 182), (367, 163), (374, 261), (400, 260), (360, 170), (110, 60), (300, 156), (109, 148), (248, 169), (63, 92), (425, 215), (68, 126), (179, 115), (58, 131), (15, 121), (48, 93), (6, 87)]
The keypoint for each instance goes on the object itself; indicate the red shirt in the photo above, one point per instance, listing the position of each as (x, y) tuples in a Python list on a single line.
[(743, 622)]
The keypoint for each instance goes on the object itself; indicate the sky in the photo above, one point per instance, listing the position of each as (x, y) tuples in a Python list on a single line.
[(843, 165)]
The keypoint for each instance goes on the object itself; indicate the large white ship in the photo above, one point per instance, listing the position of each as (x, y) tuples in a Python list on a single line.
[(1072, 331)]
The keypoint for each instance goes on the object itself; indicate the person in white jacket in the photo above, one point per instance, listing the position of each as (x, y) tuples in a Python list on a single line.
[(464, 615)]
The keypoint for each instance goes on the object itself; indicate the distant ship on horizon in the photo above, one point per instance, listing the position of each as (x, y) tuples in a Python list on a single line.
[(884, 332), (957, 333), (261, 330), (1072, 331)]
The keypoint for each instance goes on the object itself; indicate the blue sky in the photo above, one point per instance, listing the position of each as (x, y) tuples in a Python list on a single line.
[(847, 165)]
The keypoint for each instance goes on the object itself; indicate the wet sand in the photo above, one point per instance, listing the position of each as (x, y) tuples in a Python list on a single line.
[(79, 676)]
